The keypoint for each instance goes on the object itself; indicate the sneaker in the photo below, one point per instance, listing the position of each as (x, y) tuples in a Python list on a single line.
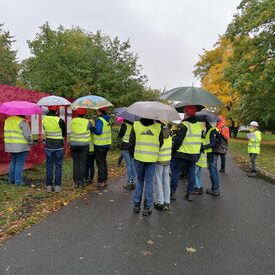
[(136, 208), (166, 206), (173, 196), (147, 211), (49, 188), (158, 205), (252, 175), (188, 197), (222, 170), (213, 192), (133, 185), (57, 189), (128, 186), (197, 191)]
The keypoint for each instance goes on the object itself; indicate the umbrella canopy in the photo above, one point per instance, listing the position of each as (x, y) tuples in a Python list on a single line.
[(192, 95), (91, 102), (122, 112), (154, 110), (20, 108), (53, 100), (205, 116)]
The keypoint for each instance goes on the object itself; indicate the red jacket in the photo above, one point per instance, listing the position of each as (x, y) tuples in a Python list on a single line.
[(224, 130)]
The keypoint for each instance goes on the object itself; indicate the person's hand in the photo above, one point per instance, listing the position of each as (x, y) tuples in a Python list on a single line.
[(202, 149)]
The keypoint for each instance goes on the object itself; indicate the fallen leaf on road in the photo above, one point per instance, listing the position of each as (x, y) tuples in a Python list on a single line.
[(10, 209), (190, 249), (81, 258), (100, 193), (1, 213), (111, 200), (150, 242), (147, 253)]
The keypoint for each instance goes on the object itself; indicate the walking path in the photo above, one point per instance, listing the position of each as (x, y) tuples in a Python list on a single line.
[(99, 234)]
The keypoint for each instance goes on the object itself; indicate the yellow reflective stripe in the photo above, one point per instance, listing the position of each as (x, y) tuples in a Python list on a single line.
[(147, 144), (146, 152), (13, 131)]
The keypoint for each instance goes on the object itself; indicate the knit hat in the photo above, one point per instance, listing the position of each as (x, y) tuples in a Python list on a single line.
[(81, 111), (190, 110), (53, 108)]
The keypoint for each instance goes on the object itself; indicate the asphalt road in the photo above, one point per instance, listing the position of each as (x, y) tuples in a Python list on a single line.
[(99, 234)]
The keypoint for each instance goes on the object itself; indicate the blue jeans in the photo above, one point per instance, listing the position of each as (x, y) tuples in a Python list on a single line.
[(163, 184), (130, 165), (17, 167), (54, 158), (198, 177), (145, 175), (177, 164), (212, 160)]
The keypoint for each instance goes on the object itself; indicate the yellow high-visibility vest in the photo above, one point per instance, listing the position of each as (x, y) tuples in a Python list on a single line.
[(202, 162), (147, 142), (79, 132), (91, 144), (192, 141), (207, 139), (12, 132), (166, 150), (51, 127), (254, 142), (127, 133), (106, 136)]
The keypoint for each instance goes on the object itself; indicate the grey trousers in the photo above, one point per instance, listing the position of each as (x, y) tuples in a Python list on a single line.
[(253, 157)]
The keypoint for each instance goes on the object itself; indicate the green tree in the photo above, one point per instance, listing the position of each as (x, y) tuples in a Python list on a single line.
[(73, 63), (252, 65), (9, 65)]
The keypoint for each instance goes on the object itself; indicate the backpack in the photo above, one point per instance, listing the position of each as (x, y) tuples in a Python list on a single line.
[(221, 145)]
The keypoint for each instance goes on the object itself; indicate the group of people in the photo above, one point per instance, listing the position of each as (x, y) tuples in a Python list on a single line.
[(154, 153)]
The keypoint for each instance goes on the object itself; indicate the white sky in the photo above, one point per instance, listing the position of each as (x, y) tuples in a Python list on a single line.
[(167, 35)]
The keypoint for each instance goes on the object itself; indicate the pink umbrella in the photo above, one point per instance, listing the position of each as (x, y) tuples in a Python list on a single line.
[(20, 108)]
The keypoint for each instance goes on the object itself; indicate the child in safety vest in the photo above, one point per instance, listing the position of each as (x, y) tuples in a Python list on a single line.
[(255, 138), (162, 172)]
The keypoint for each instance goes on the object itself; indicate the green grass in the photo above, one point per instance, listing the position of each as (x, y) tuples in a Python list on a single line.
[(23, 206), (266, 159)]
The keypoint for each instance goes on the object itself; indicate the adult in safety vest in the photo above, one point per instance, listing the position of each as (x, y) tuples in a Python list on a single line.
[(102, 137), (186, 151), (162, 201), (144, 144), (17, 138), (124, 134), (90, 169), (255, 138), (212, 157), (55, 131), (81, 129)]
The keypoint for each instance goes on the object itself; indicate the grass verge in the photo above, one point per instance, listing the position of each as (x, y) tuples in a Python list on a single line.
[(23, 206)]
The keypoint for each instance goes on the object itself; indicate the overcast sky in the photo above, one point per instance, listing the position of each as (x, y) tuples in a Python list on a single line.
[(167, 35)]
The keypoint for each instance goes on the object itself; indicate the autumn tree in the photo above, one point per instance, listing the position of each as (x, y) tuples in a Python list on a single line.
[(9, 65), (251, 68), (73, 63)]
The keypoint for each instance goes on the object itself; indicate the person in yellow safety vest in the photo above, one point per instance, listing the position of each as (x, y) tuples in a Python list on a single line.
[(90, 169), (162, 201), (102, 136), (81, 129), (201, 163), (186, 151), (255, 138), (212, 157), (55, 130), (17, 139), (124, 133), (145, 140)]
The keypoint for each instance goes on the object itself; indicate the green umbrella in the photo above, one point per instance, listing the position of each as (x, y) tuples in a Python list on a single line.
[(192, 95)]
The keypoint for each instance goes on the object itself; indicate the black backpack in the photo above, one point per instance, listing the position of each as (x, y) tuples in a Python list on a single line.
[(221, 145)]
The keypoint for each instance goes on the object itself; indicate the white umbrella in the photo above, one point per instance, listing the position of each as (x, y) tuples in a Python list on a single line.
[(153, 110), (53, 100)]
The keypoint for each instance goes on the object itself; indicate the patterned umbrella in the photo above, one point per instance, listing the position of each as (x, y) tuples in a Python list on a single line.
[(53, 100), (91, 102), (122, 112), (20, 108)]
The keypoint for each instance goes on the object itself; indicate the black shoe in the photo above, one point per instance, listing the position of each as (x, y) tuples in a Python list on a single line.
[(136, 208), (222, 170), (158, 206), (147, 211), (213, 192), (252, 174), (173, 196), (166, 206), (128, 186), (197, 191), (133, 185), (188, 197)]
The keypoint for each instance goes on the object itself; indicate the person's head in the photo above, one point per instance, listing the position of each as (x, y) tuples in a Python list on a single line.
[(81, 112), (253, 126), (53, 108), (102, 111), (190, 110)]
